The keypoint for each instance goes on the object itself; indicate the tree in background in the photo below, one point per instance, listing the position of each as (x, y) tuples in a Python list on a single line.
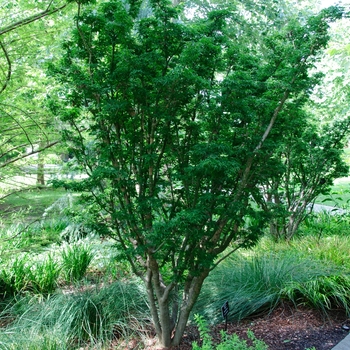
[(173, 122), (27, 39), (331, 98), (312, 156), (303, 167)]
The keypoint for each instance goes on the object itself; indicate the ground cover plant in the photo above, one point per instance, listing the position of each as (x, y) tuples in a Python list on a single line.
[(258, 282), (76, 258), (227, 342)]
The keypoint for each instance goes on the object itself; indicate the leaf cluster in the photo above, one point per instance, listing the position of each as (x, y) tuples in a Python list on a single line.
[(169, 120)]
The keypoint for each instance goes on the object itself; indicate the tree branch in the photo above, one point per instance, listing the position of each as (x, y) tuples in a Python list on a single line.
[(18, 233), (22, 156), (9, 68), (31, 19)]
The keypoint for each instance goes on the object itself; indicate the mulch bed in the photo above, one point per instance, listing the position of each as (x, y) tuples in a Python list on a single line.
[(286, 328)]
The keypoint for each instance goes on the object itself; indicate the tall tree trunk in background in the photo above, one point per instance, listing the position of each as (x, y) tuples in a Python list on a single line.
[(40, 177)]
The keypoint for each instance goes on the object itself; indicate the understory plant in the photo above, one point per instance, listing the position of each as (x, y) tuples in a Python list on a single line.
[(228, 342), (76, 258), (256, 282), (323, 293), (325, 224), (25, 273), (91, 317), (43, 275)]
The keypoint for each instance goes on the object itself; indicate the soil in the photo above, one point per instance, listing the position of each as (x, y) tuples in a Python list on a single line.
[(286, 328)]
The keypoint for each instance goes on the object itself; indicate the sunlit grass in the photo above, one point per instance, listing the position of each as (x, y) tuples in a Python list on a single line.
[(257, 283), (36, 237), (76, 258), (66, 321)]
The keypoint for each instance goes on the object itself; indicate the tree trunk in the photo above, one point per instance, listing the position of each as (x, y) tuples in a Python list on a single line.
[(40, 175), (170, 321)]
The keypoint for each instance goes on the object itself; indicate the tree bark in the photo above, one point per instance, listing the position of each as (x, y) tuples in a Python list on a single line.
[(169, 320)]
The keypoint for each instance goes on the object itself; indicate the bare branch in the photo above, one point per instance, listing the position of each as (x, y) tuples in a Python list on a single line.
[(9, 68), (28, 154), (31, 19)]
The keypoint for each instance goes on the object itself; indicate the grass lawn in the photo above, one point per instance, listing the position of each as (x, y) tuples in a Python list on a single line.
[(31, 204)]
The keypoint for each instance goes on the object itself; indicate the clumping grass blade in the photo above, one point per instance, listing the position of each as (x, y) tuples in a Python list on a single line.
[(256, 283), (89, 318)]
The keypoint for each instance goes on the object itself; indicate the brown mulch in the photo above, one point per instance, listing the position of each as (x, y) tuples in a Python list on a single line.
[(286, 328)]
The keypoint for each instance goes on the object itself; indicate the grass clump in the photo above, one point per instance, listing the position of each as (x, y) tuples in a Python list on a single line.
[(258, 282), (25, 274), (323, 293), (43, 275), (76, 259), (91, 317)]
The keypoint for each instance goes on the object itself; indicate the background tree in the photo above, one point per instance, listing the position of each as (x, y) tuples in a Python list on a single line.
[(171, 121), (27, 39), (313, 153), (331, 98), (303, 167)]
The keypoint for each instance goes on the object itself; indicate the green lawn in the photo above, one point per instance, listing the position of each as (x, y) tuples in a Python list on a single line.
[(31, 204)]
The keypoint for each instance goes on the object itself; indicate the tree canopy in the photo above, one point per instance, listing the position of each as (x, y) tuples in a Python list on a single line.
[(173, 121), (28, 37)]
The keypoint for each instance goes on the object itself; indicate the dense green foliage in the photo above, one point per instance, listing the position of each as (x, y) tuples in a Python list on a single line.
[(311, 270), (309, 160), (173, 123)]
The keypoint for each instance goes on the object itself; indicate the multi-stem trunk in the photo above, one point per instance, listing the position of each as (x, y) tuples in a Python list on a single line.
[(169, 320)]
